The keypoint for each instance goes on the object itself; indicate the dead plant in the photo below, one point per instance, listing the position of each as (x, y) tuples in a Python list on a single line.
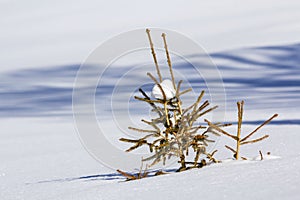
[(239, 140), (174, 131)]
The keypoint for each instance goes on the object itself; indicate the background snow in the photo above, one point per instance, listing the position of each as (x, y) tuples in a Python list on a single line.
[(62, 32), (254, 43)]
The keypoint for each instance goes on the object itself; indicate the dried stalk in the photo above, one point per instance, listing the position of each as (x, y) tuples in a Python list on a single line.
[(155, 108), (154, 55), (261, 155), (169, 60), (219, 129), (174, 131), (266, 122), (231, 149), (142, 130), (210, 156), (141, 174), (237, 138), (256, 140), (240, 118)]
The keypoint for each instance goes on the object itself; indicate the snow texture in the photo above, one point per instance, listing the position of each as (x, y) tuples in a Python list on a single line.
[(255, 44)]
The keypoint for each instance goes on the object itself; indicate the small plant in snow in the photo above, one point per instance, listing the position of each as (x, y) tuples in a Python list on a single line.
[(174, 132), (239, 140)]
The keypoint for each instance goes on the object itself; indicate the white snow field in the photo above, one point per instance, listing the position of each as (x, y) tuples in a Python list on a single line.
[(255, 45)]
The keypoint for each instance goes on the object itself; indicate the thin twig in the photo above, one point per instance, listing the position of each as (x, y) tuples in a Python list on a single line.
[(219, 129), (266, 122), (127, 175), (185, 91), (207, 111), (261, 155), (256, 140), (198, 100), (178, 88), (240, 119), (169, 60), (150, 102), (154, 55), (129, 140), (231, 149), (151, 124), (142, 130)]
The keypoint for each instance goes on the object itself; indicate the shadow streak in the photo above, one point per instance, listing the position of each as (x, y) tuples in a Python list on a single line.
[(98, 177), (266, 77)]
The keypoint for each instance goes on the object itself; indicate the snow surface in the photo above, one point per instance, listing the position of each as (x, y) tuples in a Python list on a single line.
[(255, 45)]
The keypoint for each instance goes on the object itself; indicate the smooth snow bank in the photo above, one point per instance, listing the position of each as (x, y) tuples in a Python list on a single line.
[(41, 156), (258, 180), (43, 159)]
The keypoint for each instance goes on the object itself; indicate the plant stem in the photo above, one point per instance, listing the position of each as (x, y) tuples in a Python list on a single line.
[(240, 118), (169, 60), (182, 161), (166, 113), (154, 55)]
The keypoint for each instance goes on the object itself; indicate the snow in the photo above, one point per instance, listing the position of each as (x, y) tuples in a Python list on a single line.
[(53, 165), (167, 88), (63, 32), (255, 45)]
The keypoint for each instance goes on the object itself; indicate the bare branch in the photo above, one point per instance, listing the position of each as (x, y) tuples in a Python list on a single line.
[(178, 88), (266, 122), (207, 111), (152, 124), (185, 91), (219, 129), (154, 55), (261, 155), (256, 140), (142, 130), (127, 175), (240, 119), (231, 149), (198, 101), (169, 60), (150, 102)]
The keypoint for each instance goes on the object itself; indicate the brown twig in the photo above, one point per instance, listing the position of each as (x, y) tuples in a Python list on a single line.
[(150, 101), (142, 130), (127, 175), (210, 156), (169, 60), (256, 140), (154, 55), (240, 119), (185, 91), (231, 149), (266, 122), (261, 155), (237, 138), (219, 129)]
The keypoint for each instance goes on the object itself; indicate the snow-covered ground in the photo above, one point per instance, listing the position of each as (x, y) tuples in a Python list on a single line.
[(255, 45)]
